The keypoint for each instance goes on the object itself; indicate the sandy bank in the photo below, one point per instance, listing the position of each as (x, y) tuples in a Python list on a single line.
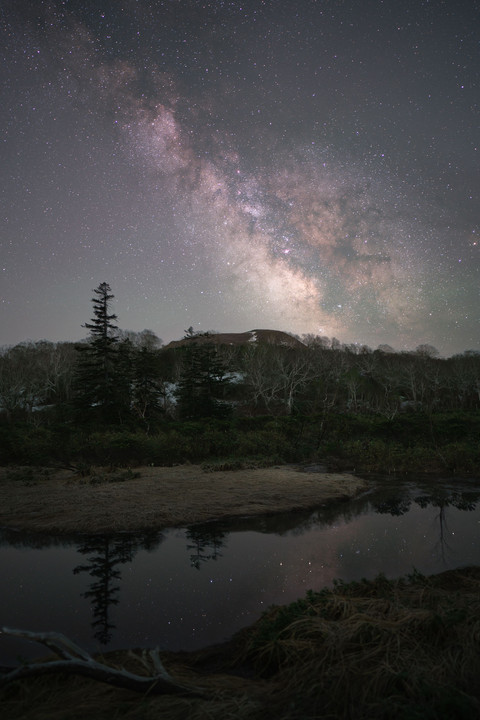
[(161, 497)]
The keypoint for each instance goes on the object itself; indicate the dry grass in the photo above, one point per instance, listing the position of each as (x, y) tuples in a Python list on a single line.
[(383, 649), (63, 502), (399, 650), (62, 697)]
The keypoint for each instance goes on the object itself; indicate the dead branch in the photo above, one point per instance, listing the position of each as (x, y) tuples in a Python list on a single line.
[(74, 660)]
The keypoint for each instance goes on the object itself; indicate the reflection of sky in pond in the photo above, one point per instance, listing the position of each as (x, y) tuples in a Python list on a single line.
[(195, 587)]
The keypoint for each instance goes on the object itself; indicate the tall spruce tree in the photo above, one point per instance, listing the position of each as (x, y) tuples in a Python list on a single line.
[(100, 392)]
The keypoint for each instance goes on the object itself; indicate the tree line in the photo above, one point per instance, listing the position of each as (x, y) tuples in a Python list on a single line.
[(120, 377), (125, 381)]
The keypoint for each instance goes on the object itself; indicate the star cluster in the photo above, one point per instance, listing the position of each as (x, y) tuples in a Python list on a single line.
[(311, 167)]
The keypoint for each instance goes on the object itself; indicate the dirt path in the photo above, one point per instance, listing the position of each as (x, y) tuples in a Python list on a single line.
[(161, 497)]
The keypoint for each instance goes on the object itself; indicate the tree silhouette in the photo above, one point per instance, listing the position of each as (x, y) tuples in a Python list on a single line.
[(202, 382), (104, 556), (102, 383), (465, 501), (205, 542)]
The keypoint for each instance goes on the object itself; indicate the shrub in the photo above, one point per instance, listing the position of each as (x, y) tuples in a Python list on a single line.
[(26, 475)]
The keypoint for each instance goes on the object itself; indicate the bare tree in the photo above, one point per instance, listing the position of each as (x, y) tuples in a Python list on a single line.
[(276, 375)]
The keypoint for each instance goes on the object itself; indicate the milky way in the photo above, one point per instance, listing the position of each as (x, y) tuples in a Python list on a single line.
[(310, 167)]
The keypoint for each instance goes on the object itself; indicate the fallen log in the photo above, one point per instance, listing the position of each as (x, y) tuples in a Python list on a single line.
[(74, 660)]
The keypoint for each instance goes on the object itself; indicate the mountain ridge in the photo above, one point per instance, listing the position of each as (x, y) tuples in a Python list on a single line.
[(261, 336)]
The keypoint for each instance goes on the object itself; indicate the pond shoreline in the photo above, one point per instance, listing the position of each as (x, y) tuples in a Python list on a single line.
[(325, 648), (407, 642), (156, 498)]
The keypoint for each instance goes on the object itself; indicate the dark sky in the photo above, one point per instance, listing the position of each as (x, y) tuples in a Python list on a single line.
[(304, 165)]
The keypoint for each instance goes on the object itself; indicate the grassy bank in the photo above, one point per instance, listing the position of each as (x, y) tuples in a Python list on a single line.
[(157, 497), (404, 650), (436, 443)]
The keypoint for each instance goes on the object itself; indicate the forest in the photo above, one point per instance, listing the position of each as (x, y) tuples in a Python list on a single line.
[(120, 398)]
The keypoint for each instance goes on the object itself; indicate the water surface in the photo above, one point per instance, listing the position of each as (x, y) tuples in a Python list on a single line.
[(188, 588)]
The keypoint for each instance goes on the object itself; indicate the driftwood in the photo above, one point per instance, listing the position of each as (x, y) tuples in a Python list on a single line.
[(74, 660)]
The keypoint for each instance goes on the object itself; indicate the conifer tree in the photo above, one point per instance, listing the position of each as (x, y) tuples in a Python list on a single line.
[(202, 383), (99, 390)]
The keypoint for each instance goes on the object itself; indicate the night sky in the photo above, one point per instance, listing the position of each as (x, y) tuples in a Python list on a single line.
[(305, 165)]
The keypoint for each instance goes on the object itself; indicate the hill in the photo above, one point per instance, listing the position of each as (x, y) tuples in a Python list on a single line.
[(270, 337)]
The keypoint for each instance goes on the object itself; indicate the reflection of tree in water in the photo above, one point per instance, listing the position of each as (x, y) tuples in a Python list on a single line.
[(396, 506), (465, 501), (104, 555), (460, 500), (400, 504), (205, 541)]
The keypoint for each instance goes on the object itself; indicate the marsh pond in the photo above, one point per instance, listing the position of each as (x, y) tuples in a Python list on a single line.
[(186, 588)]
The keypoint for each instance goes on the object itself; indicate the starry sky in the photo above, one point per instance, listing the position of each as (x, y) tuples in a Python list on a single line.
[(304, 165)]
